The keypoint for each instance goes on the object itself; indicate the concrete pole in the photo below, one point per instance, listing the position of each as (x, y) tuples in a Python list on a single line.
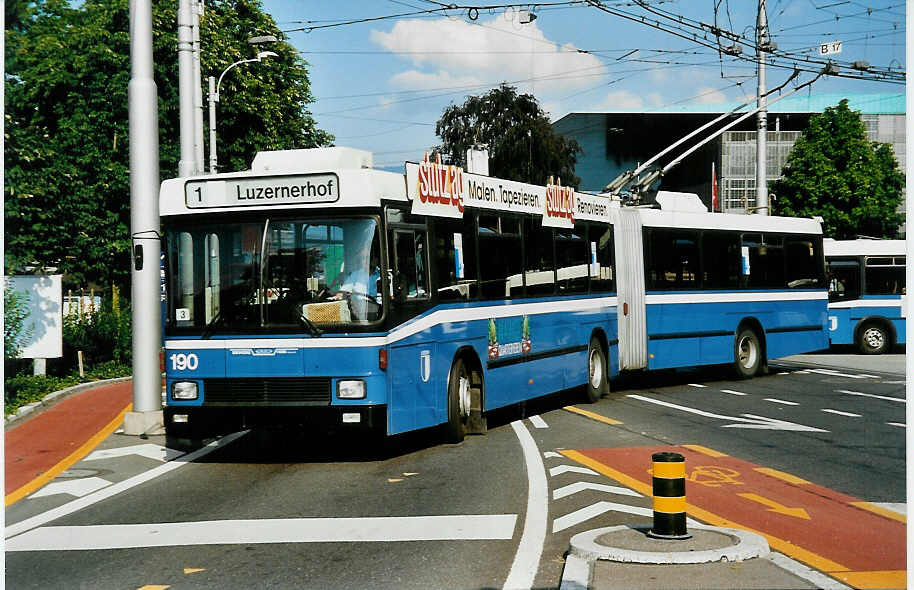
[(213, 168), (186, 86), (761, 145), (199, 160), (143, 113)]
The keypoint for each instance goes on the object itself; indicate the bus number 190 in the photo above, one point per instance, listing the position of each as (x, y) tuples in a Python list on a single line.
[(183, 362)]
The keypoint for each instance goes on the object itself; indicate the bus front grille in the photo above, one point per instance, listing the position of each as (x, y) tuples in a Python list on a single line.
[(309, 391)]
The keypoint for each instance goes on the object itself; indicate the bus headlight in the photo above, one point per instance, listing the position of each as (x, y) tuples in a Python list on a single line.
[(184, 390), (350, 389)]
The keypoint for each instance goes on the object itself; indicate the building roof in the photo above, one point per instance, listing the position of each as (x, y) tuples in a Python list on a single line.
[(867, 104)]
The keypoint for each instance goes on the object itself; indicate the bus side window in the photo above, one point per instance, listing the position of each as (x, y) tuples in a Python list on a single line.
[(843, 280), (411, 277), (885, 276), (453, 259), (673, 262), (600, 256)]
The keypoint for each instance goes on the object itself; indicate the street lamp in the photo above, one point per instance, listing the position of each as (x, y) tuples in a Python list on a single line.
[(214, 98)]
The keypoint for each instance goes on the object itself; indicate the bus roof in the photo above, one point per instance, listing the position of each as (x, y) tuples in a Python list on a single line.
[(864, 247), (294, 179)]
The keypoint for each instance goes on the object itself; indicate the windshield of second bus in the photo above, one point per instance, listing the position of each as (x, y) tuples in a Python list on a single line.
[(299, 274)]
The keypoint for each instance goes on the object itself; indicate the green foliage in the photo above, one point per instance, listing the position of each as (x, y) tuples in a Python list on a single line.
[(66, 123), (15, 314), (835, 172), (21, 390), (522, 145), (102, 334)]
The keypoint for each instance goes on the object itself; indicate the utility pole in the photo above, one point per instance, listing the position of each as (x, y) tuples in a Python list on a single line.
[(763, 44), (143, 117), (199, 159), (186, 86)]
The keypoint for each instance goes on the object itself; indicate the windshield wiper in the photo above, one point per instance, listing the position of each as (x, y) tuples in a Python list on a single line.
[(314, 330), (209, 328)]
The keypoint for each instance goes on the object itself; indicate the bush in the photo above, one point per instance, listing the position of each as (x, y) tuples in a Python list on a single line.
[(21, 390), (103, 334)]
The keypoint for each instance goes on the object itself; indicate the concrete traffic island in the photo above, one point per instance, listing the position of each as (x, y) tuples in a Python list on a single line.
[(631, 544)]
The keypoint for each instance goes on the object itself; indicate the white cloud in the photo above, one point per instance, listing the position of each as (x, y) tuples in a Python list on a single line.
[(416, 80), (620, 100), (489, 51), (708, 95)]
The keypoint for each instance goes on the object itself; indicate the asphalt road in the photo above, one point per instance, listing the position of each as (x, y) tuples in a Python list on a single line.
[(284, 511)]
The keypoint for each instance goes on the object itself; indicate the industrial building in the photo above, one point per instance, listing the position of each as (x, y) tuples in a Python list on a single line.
[(616, 141)]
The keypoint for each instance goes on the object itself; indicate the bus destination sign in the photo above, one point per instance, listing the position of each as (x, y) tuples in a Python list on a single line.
[(254, 191)]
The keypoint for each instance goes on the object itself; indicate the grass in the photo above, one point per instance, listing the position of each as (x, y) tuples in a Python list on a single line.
[(21, 390)]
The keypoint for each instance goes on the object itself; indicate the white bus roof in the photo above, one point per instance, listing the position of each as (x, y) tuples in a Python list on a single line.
[(316, 178), (864, 247)]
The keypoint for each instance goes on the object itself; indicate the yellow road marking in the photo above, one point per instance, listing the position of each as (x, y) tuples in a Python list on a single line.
[(878, 579), (890, 514), (782, 476), (705, 451), (776, 507), (592, 415), (193, 570), (786, 547), (68, 461)]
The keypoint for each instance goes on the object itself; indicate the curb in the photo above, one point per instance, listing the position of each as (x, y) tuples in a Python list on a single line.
[(54, 397), (748, 545)]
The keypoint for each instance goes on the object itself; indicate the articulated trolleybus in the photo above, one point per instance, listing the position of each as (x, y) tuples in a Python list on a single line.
[(866, 293), (313, 289)]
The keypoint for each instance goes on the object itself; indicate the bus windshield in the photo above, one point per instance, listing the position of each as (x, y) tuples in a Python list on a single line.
[(289, 274)]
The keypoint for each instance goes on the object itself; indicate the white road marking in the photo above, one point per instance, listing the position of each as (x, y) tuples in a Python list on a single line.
[(530, 548), (73, 487), (114, 489), (538, 422), (581, 486), (552, 455), (150, 450), (840, 413), (594, 510), (873, 395), (833, 373), (570, 469), (899, 424), (576, 573), (780, 401), (272, 530), (817, 579), (748, 420), (696, 385), (731, 392)]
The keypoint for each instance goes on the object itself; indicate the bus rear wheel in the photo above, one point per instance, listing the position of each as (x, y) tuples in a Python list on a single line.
[(596, 371), (873, 339), (747, 353)]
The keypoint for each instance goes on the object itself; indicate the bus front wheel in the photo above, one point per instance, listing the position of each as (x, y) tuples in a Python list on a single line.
[(458, 402), (873, 339), (747, 353), (596, 371)]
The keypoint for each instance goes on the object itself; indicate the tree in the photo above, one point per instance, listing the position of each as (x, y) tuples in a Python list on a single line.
[(521, 143), (834, 171), (67, 157)]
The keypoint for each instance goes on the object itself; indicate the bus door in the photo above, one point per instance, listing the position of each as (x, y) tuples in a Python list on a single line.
[(413, 380), (630, 284)]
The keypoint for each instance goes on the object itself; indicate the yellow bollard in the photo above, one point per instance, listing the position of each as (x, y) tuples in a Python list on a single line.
[(669, 497)]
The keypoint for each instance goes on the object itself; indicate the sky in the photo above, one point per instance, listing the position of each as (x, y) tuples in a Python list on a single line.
[(381, 84)]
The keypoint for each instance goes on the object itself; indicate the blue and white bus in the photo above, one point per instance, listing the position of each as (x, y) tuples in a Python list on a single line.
[(315, 289), (866, 293)]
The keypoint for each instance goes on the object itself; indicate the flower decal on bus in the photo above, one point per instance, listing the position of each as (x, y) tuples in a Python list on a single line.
[(516, 334)]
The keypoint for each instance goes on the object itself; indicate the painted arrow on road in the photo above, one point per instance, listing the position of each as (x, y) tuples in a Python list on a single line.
[(743, 421), (776, 507)]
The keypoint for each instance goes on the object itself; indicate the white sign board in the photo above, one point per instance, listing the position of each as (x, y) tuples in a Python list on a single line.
[(444, 191), (830, 47), (44, 324), (271, 190)]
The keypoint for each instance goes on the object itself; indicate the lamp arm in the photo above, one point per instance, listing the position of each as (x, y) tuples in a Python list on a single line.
[(226, 70)]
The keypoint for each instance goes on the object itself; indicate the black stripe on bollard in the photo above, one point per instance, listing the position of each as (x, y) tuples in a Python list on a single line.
[(669, 497)]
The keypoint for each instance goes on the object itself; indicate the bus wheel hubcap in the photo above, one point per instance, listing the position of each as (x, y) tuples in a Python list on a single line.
[(596, 369), (747, 352), (463, 397), (873, 338)]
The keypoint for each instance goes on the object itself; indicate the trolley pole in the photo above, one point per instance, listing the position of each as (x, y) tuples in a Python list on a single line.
[(761, 180), (143, 110)]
